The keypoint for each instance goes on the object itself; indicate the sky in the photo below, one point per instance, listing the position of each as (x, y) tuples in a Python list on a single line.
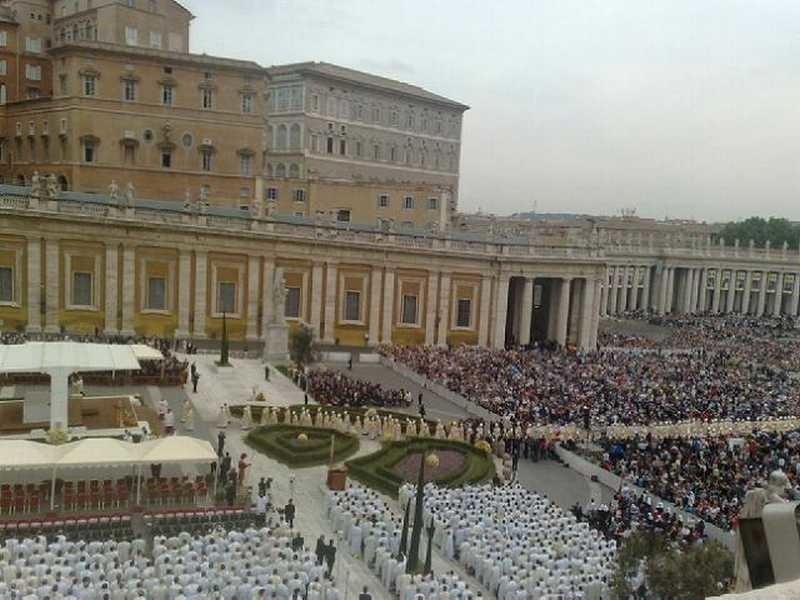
[(674, 108)]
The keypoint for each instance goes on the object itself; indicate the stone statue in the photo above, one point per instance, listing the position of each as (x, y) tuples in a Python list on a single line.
[(36, 185), (278, 297), (187, 200), (130, 195), (113, 191), (52, 187), (270, 208)]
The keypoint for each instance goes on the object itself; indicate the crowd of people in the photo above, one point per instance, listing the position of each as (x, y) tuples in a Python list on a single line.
[(230, 565), (707, 477), (553, 387), (515, 541), (333, 387)]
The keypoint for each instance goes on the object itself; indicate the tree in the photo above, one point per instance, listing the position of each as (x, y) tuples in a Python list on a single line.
[(301, 345), (760, 230)]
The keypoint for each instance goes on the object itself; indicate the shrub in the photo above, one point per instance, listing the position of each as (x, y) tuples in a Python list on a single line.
[(281, 443)]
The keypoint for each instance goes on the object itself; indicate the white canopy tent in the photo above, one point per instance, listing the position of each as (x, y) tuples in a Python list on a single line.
[(59, 360), (99, 452), (145, 352)]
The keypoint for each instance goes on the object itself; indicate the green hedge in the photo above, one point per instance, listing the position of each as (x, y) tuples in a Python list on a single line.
[(280, 443), (377, 470)]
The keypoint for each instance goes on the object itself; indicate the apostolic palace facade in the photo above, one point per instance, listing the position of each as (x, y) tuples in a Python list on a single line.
[(147, 190)]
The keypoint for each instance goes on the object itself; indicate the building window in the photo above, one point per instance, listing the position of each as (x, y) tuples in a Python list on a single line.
[(393, 154), (226, 298), (175, 42), (166, 159), (292, 307), (6, 284), (63, 84), (433, 204), (131, 36), (187, 140), (157, 293), (207, 98), (89, 152), (245, 164), (464, 312), (315, 103), (343, 215), (359, 150), (329, 147), (299, 195), (32, 72), (272, 193), (247, 103), (342, 147), (383, 200), (89, 85), (314, 143), (408, 314), (167, 95), (129, 90), (376, 114), (155, 39), (3, 38), (408, 203), (352, 305), (147, 135), (81, 289), (32, 92), (33, 44), (207, 159), (376, 152)]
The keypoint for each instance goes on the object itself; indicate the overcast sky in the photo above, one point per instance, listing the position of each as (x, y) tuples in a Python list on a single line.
[(678, 108)]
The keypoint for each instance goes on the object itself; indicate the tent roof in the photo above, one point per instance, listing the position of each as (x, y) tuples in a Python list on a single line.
[(176, 449), (40, 357), (145, 352), (91, 452), (25, 454)]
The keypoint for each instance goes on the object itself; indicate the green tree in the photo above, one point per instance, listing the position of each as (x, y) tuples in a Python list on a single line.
[(760, 230), (301, 346)]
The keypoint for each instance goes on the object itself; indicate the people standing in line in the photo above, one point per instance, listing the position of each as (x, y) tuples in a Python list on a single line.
[(289, 512)]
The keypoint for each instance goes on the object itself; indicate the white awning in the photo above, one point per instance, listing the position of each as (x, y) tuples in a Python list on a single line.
[(145, 352), (176, 449), (93, 452), (40, 357), (25, 454)]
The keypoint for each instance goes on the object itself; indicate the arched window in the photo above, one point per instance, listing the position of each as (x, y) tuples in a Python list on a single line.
[(280, 142), (294, 171), (280, 170), (294, 137)]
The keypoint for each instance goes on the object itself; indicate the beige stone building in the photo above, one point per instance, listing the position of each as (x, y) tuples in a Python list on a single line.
[(360, 148)]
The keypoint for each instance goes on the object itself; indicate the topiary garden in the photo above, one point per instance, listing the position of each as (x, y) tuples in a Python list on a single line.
[(297, 446)]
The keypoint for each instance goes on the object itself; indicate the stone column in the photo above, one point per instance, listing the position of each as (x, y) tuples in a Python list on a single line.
[(762, 295), (34, 292), (604, 297), (695, 279), (526, 315), (444, 309), (613, 292), (375, 306), (53, 289), (596, 320), (747, 292), (501, 312), (687, 291), (563, 311), (778, 300), (111, 302), (331, 287), (253, 275), (388, 306), (267, 308), (646, 290), (634, 303), (670, 289), (200, 289), (717, 292), (184, 293), (483, 317), (316, 299), (795, 296), (587, 314), (662, 291), (430, 308), (731, 293), (622, 299), (128, 290)]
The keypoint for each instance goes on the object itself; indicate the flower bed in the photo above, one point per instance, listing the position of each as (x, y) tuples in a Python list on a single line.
[(450, 464), (298, 447), (382, 471)]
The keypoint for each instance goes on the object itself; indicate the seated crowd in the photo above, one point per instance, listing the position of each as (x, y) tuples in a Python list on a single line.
[(234, 565), (336, 388), (707, 477), (552, 387)]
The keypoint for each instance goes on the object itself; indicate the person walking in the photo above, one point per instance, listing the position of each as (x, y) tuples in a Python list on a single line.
[(243, 464), (320, 549), (291, 485), (365, 595), (330, 556), (195, 379), (288, 512), (220, 443)]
